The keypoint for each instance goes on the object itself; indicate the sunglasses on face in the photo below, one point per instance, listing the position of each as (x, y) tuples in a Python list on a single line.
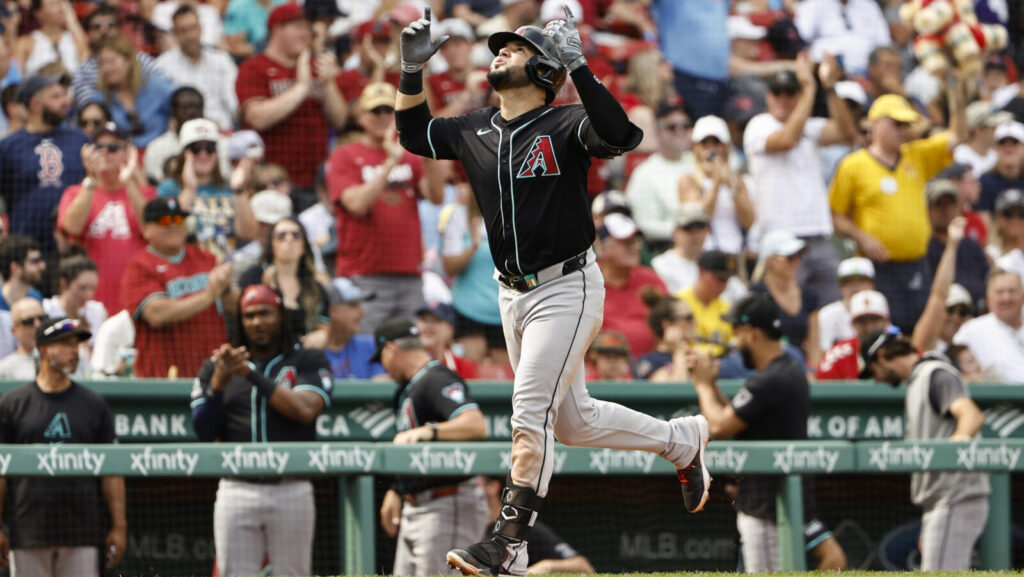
[(207, 147), (710, 141), (1008, 142), (676, 126), (31, 321), (104, 25), (382, 110), (900, 125), (695, 226), (110, 147), (171, 219), (785, 92), (283, 234), (1012, 213), (960, 311)]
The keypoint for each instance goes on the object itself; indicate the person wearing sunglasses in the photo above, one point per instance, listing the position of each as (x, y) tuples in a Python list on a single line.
[(1008, 172), (674, 325), (92, 117), (223, 220), (20, 364), (103, 214)]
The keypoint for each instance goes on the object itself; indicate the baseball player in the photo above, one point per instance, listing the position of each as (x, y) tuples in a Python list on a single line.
[(429, 514), (264, 389), (527, 164)]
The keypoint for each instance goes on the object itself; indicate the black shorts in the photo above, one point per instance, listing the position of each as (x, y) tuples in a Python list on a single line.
[(465, 327)]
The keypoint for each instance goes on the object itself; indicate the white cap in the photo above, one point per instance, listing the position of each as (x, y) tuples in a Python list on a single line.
[(607, 200), (552, 10), (1014, 130), (982, 113), (868, 303), (198, 130), (710, 126), (455, 27), (691, 212), (850, 90), (779, 242), (958, 295), (856, 266), (740, 28), (617, 226), (270, 206)]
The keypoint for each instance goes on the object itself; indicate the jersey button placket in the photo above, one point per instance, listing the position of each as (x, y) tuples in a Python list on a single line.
[(505, 190)]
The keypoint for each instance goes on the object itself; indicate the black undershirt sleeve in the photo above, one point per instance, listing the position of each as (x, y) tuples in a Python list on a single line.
[(606, 114)]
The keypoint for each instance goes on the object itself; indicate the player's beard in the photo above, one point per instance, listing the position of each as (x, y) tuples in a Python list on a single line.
[(508, 78), (54, 119), (748, 357)]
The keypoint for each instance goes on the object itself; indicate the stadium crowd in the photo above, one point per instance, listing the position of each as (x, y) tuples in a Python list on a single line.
[(158, 158)]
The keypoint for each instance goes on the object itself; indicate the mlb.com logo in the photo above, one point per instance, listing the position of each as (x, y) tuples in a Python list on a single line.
[(540, 160)]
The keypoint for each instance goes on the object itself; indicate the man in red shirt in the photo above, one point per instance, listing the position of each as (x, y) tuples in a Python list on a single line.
[(376, 184), (626, 281), (290, 97), (175, 292), (870, 312), (461, 88), (371, 40)]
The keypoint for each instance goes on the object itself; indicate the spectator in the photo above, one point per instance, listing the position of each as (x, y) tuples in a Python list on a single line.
[(700, 57), (672, 322), (971, 264), (779, 259), (139, 103), (467, 259), (38, 162), (55, 524), (747, 57), (79, 278), (626, 281), (223, 219), (436, 324), (938, 408), (26, 316), (114, 343), (968, 190), (869, 312), (208, 30), (713, 184), (886, 179), (318, 220), (963, 359), (782, 147), (268, 207), (245, 26), (652, 191), (461, 88), (1007, 247), (932, 330), (475, 12), (59, 38), (647, 90), (834, 323), (609, 357), (979, 151), (995, 338), (677, 267), (885, 72), (264, 365), (514, 13), (174, 292), (374, 184), (850, 29), (104, 213), (14, 115), (22, 266), (959, 308), (348, 351), (704, 298), (92, 118), (1009, 169), (371, 42), (287, 267), (289, 98), (211, 71), (101, 24), (186, 104)]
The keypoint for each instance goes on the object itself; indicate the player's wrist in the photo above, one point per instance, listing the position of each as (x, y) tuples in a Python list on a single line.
[(576, 63), (411, 80)]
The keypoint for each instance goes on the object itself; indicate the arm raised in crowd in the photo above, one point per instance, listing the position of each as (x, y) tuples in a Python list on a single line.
[(926, 331), (793, 129), (841, 128)]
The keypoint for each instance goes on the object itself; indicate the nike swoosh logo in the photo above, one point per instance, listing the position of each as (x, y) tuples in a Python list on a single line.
[(481, 131)]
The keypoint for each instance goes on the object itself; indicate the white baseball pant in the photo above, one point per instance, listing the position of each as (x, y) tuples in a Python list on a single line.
[(433, 526), (55, 562), (949, 532)]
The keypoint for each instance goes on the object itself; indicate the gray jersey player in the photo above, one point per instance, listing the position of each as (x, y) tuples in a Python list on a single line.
[(527, 163)]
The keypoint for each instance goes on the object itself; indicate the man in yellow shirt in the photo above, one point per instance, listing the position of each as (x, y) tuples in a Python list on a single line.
[(878, 198), (704, 298)]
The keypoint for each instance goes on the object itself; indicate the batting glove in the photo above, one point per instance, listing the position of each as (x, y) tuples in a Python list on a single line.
[(416, 45), (567, 38)]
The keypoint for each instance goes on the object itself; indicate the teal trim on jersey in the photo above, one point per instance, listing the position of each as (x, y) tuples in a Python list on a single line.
[(263, 405), (579, 132), (818, 541), (511, 182), (318, 390), (138, 311), (420, 372), (176, 259), (197, 402), (501, 205), (430, 140), (463, 409), (252, 417)]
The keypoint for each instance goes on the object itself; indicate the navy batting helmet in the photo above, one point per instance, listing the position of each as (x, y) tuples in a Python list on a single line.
[(545, 69)]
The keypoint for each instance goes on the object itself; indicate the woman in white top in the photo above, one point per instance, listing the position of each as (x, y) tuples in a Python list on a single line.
[(78, 278), (60, 38), (714, 185)]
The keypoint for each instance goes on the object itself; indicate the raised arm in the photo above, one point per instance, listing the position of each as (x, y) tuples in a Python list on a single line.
[(926, 331), (416, 48), (793, 129)]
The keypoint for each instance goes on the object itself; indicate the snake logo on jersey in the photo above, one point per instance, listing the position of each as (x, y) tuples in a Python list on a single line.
[(540, 160), (59, 428)]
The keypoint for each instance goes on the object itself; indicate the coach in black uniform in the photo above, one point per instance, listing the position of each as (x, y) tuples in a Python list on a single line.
[(264, 389), (428, 514), (527, 163), (772, 405), (56, 525)]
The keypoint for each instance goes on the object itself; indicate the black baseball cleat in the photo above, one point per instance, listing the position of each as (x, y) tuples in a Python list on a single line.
[(694, 478), (484, 558)]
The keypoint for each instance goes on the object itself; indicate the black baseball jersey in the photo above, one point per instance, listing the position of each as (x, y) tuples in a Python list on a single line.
[(775, 404), (434, 394), (240, 414), (55, 512), (529, 175)]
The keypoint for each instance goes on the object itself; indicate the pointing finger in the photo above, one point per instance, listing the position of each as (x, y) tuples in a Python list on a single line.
[(568, 15), (426, 14)]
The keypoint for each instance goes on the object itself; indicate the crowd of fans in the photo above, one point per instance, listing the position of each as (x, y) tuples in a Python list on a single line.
[(159, 157)]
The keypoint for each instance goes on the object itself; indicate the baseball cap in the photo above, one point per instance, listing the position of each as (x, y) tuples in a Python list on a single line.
[(610, 342), (758, 311), (198, 130), (982, 113), (1014, 130), (456, 28), (112, 129), (443, 311), (608, 202), (741, 28), (855, 267), (893, 106), (377, 94), (668, 107), (618, 226), (853, 91), (938, 188), (162, 206), (33, 84), (717, 262), (746, 100), (392, 330), (780, 242), (870, 344), (867, 303), (376, 29), (284, 14), (258, 294), (1009, 198), (958, 295), (784, 81), (690, 213), (995, 62), (342, 290), (270, 206), (954, 171), (53, 330), (711, 126), (321, 9), (245, 144)]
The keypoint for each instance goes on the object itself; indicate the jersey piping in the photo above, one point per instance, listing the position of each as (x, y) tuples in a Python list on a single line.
[(511, 182)]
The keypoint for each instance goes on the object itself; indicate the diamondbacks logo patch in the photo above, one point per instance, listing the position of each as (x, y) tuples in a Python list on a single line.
[(456, 392), (540, 160), (59, 428)]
